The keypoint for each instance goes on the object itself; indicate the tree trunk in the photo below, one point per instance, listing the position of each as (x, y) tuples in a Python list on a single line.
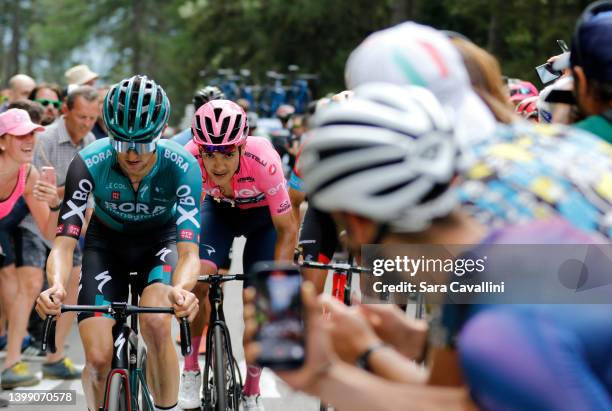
[(13, 57), (138, 14)]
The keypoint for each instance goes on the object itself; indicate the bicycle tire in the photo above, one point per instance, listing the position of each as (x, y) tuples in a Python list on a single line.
[(142, 392), (219, 369), (117, 394)]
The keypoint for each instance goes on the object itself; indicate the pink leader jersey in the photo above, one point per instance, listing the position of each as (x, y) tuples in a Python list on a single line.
[(259, 180), (7, 205)]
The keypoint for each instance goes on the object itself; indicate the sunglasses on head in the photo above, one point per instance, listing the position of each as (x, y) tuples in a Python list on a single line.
[(44, 102), (139, 148), (217, 149)]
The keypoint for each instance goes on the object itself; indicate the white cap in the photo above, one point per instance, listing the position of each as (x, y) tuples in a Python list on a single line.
[(80, 75), (411, 53)]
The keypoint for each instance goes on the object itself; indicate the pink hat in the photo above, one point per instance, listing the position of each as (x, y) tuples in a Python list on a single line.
[(17, 122)]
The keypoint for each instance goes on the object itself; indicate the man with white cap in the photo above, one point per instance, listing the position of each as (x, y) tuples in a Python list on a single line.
[(81, 75)]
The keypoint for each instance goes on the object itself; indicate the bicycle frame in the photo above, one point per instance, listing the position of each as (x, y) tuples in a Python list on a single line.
[(217, 318)]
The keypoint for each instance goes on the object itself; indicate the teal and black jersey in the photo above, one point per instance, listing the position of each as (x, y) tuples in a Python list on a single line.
[(171, 191)]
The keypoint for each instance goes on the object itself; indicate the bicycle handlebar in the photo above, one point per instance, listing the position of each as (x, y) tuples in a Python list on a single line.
[(116, 310), (221, 278), (341, 267)]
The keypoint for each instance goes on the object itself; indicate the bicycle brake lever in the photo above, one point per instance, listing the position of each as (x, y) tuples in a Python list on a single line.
[(48, 336), (185, 337)]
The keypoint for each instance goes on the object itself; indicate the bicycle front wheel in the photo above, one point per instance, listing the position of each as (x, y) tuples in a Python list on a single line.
[(117, 396), (219, 369)]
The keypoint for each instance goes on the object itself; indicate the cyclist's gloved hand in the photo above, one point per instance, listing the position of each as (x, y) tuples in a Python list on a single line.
[(351, 332), (319, 350), (391, 324), (49, 302), (184, 303)]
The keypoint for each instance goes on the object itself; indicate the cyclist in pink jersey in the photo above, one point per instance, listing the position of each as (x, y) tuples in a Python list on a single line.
[(20, 190), (246, 195)]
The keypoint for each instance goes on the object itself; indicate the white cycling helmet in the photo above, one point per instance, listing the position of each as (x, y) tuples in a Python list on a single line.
[(387, 154)]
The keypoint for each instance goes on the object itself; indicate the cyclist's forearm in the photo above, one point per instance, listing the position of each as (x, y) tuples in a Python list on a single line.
[(187, 268), (59, 266), (350, 388), (285, 243)]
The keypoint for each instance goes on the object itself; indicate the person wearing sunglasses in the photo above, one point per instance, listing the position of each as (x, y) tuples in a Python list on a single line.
[(48, 96), (246, 195), (146, 221)]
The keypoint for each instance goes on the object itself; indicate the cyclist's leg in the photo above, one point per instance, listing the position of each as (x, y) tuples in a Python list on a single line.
[(318, 240), (562, 363), (260, 245), (100, 283), (159, 259)]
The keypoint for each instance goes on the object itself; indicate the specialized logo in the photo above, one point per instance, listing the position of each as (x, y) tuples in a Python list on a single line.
[(163, 253), (102, 279), (115, 195), (74, 230), (209, 249), (247, 179), (177, 159), (98, 158), (119, 342), (186, 235)]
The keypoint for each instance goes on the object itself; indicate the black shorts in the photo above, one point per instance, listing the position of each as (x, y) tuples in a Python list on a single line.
[(8, 226), (113, 261), (221, 223), (318, 236)]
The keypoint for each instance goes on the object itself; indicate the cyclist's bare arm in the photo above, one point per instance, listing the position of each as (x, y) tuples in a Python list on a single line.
[(297, 198), (350, 388), (286, 236), (59, 263), (187, 269)]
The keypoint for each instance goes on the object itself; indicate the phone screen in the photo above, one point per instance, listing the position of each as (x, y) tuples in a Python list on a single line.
[(48, 174), (546, 73), (279, 317)]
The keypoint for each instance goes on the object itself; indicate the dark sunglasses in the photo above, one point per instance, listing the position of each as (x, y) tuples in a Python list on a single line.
[(44, 102), (139, 148), (206, 149)]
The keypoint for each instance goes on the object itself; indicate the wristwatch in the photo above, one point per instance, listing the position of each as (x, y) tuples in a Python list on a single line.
[(363, 359)]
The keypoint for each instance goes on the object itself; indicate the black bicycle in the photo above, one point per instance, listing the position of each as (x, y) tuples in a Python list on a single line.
[(126, 384), (222, 386)]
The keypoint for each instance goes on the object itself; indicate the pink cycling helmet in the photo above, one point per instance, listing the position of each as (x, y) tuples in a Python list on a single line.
[(520, 90), (219, 123)]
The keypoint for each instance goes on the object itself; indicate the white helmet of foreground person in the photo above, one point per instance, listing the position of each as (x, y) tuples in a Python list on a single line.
[(411, 53), (387, 154)]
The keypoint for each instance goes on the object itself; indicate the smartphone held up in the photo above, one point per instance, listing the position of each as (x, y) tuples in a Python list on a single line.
[(278, 306), (47, 174)]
